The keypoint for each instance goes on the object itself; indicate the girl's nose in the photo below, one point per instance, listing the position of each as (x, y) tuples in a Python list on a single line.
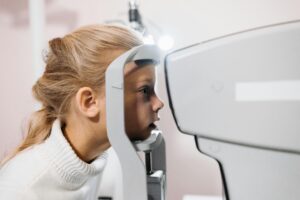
[(158, 104)]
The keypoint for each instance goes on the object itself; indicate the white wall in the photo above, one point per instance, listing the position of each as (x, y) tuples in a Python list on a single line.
[(189, 172)]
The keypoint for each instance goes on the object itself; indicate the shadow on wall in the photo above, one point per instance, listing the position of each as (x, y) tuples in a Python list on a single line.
[(17, 14)]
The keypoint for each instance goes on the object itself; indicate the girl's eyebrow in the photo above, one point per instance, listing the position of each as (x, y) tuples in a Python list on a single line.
[(151, 80), (143, 83)]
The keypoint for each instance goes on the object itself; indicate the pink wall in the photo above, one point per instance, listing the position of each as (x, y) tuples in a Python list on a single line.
[(17, 73)]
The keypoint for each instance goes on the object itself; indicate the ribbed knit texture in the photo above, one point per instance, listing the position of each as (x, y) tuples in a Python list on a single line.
[(51, 170), (70, 167)]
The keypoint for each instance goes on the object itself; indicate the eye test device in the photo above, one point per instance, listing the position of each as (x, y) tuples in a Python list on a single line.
[(140, 180), (242, 106)]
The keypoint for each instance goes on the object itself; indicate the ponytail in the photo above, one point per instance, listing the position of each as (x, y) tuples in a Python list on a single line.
[(38, 130)]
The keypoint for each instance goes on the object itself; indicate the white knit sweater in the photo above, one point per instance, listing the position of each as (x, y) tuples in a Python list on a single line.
[(51, 170)]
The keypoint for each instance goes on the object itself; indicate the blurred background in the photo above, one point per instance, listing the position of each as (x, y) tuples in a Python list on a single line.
[(27, 25)]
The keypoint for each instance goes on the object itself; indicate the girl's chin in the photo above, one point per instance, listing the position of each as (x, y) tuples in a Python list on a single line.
[(140, 136)]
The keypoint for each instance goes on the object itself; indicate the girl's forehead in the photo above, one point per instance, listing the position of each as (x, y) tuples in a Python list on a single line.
[(136, 73), (133, 68)]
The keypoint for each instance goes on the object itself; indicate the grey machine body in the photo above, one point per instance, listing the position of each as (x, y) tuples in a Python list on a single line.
[(239, 96)]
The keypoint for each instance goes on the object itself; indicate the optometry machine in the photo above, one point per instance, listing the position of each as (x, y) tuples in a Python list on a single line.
[(239, 96), (141, 180)]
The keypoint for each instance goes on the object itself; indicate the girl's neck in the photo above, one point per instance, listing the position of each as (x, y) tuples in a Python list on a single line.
[(85, 143)]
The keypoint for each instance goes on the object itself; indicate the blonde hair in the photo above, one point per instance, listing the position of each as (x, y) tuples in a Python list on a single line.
[(76, 60)]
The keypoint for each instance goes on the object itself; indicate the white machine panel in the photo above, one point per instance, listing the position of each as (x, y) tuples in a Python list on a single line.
[(243, 88)]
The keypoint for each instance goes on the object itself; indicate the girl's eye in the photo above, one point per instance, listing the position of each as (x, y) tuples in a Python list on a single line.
[(145, 90)]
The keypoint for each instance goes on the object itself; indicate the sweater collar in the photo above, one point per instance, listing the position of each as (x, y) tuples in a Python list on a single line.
[(69, 166)]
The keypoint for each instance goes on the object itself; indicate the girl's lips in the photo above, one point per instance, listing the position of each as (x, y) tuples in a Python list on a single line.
[(152, 126)]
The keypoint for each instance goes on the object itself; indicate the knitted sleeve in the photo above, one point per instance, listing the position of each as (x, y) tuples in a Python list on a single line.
[(12, 194)]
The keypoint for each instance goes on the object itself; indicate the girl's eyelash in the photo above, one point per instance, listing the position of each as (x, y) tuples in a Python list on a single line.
[(145, 90)]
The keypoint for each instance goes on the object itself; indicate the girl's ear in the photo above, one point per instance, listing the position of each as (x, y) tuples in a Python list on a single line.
[(87, 102)]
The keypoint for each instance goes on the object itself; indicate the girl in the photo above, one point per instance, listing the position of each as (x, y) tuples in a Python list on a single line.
[(63, 154)]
